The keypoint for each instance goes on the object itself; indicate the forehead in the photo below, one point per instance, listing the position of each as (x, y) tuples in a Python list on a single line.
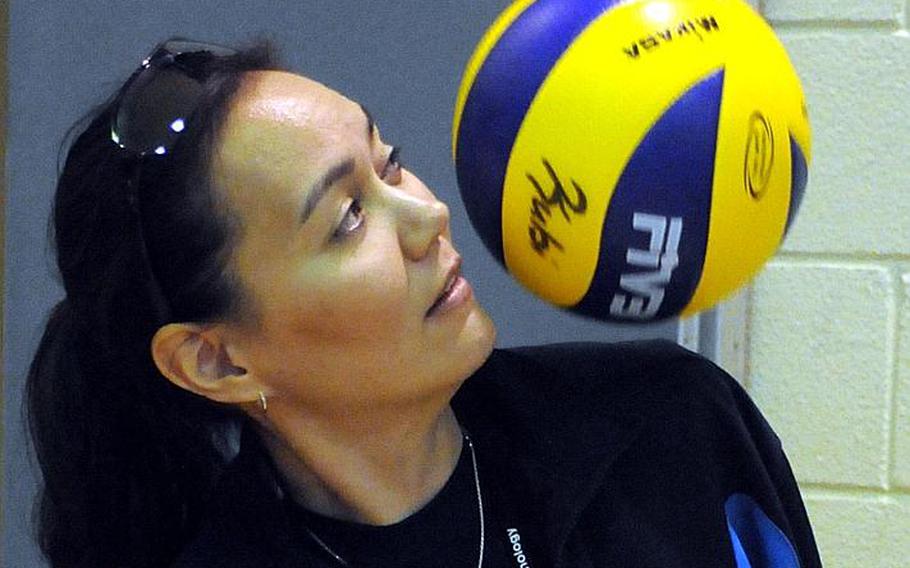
[(284, 132), (281, 121)]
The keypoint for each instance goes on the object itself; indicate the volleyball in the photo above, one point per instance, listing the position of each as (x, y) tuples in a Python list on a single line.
[(631, 160)]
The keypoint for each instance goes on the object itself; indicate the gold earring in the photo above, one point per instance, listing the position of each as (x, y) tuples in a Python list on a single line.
[(263, 403)]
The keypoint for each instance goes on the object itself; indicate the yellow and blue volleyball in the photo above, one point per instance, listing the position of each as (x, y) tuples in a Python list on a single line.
[(631, 160)]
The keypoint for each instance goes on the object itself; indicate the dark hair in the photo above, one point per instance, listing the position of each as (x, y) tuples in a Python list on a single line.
[(128, 458)]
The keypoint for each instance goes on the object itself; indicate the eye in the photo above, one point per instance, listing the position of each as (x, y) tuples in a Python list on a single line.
[(352, 220), (391, 172)]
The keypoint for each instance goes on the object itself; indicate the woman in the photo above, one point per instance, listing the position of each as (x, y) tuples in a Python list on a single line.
[(239, 246)]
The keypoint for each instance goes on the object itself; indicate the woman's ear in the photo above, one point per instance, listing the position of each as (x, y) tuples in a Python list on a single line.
[(195, 358)]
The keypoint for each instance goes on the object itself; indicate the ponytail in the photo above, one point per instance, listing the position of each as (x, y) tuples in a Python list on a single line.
[(125, 473), (62, 452)]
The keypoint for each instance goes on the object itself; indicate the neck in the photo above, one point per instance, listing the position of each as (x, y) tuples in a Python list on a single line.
[(372, 469)]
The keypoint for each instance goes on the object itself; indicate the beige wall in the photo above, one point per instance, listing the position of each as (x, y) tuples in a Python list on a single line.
[(827, 327)]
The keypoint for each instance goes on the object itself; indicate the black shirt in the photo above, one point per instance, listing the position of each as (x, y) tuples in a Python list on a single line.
[(444, 533), (636, 454)]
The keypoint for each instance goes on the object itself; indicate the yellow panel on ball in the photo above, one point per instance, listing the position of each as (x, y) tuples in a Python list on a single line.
[(762, 108)]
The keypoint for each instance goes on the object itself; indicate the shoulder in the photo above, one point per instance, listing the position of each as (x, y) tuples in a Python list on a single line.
[(634, 375), (575, 388)]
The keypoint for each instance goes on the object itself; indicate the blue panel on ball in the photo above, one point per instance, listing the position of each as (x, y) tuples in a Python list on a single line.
[(799, 176), (656, 231), (501, 94)]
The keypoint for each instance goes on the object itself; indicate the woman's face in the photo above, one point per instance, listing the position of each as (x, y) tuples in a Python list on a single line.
[(342, 252)]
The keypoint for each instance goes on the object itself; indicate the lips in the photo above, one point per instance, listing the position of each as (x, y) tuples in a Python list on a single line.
[(448, 285)]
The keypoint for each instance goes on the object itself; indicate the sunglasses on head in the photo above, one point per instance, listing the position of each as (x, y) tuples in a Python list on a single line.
[(153, 108), (157, 102)]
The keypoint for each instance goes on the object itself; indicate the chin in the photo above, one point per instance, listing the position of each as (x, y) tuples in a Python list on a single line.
[(457, 356), (477, 340)]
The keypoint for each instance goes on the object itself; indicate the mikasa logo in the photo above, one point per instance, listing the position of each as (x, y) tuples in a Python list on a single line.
[(647, 288), (759, 156), (684, 29)]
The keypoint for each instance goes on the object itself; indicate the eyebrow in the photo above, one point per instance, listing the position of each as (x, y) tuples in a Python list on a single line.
[(322, 186)]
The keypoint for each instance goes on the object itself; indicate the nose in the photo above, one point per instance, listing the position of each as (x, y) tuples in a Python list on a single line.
[(421, 220)]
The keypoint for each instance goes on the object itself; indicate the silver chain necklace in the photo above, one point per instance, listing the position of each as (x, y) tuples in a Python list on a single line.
[(344, 562)]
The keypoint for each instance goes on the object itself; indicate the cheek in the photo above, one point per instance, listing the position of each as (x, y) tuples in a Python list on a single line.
[(362, 301)]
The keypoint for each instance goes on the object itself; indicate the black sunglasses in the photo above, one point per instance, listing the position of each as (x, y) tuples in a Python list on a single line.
[(156, 103), (153, 108)]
